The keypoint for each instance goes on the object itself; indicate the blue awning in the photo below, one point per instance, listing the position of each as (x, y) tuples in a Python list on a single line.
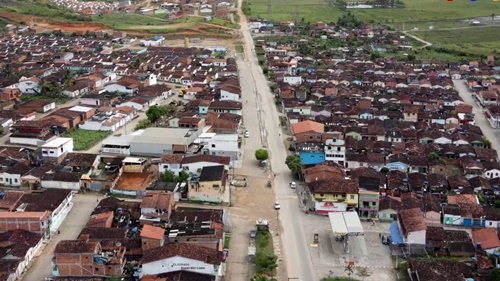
[(395, 234)]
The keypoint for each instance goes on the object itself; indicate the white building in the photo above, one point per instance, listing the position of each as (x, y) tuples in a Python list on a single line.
[(227, 94), (224, 145), (106, 121), (292, 80), (28, 85), (192, 163), (57, 148), (181, 257), (335, 151), (413, 226)]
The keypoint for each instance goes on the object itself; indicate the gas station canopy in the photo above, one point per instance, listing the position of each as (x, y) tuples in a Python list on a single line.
[(345, 223)]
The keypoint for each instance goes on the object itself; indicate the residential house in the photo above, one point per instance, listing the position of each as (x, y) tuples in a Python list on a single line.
[(334, 196), (152, 237), (36, 222), (56, 150), (224, 145), (486, 239), (17, 247), (388, 209), (211, 185), (87, 258), (307, 131), (368, 203), (412, 226), (157, 207), (335, 151), (310, 153)]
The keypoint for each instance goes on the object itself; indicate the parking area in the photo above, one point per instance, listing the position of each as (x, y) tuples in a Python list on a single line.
[(330, 257)]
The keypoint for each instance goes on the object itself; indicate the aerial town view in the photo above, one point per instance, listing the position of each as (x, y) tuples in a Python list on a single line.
[(249, 140)]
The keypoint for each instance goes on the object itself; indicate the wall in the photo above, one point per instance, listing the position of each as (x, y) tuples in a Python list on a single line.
[(59, 184), (416, 237), (148, 149), (452, 220), (27, 141), (225, 95), (10, 179), (179, 263)]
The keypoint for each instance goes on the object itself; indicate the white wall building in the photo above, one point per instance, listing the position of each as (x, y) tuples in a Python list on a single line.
[(335, 151), (224, 145), (292, 80), (58, 147)]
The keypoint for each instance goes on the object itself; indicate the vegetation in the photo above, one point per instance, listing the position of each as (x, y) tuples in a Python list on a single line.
[(265, 260), (143, 124), (86, 139), (349, 271), (42, 9), (169, 176), (261, 278), (125, 21), (487, 142), (227, 240), (294, 164), (261, 154), (363, 273), (60, 100), (495, 274), (155, 112)]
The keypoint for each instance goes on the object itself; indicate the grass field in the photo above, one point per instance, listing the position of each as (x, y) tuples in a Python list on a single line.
[(29, 7), (124, 21), (86, 139)]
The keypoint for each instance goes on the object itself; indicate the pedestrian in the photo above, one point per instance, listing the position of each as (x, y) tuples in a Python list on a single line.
[(373, 223), (380, 235)]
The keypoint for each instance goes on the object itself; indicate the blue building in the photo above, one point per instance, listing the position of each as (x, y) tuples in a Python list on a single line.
[(310, 153)]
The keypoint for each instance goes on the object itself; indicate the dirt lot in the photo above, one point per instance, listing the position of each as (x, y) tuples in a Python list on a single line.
[(52, 24), (134, 181)]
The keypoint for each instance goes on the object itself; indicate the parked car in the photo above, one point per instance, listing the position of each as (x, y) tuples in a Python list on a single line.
[(247, 134), (385, 240), (252, 233), (293, 185), (277, 205)]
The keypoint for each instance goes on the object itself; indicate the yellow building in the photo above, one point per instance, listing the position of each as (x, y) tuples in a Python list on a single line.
[(211, 185), (334, 195)]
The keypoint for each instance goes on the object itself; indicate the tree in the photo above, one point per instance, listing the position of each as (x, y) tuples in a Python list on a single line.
[(183, 176), (363, 273), (384, 170), (495, 274), (487, 142), (349, 270), (143, 124), (168, 176), (433, 156), (261, 154), (155, 112), (68, 78), (169, 109), (294, 164)]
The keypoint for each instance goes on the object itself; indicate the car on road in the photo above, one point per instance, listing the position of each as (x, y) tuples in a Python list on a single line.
[(293, 185), (252, 233), (277, 205), (247, 134)]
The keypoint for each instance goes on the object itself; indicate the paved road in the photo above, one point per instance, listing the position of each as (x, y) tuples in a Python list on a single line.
[(83, 205), (490, 133), (294, 243)]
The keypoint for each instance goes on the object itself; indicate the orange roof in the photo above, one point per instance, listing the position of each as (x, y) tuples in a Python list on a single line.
[(487, 237), (27, 215), (462, 198), (152, 232), (307, 126)]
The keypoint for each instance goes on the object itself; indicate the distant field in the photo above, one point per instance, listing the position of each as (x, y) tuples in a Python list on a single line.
[(416, 11), (123, 21)]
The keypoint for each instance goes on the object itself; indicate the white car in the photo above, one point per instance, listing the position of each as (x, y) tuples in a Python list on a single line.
[(277, 205), (293, 185), (247, 134)]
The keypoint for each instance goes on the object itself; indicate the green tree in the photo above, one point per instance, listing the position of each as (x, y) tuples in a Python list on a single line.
[(68, 78), (155, 112), (363, 273), (261, 154), (7, 70), (143, 124), (294, 164), (384, 170), (433, 156), (495, 274), (183, 176), (168, 176), (487, 142), (349, 270), (169, 109)]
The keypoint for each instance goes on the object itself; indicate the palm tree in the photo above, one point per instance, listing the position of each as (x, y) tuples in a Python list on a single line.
[(7, 70), (68, 78)]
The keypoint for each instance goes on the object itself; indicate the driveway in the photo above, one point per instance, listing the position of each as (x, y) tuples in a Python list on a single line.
[(83, 205), (489, 132)]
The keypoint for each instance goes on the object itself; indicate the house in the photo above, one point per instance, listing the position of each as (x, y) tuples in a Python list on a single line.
[(152, 237), (463, 209), (191, 163), (486, 239), (323, 172), (158, 141), (310, 153), (64, 180), (181, 257), (36, 222), (412, 226), (438, 270), (368, 203), (334, 196), (307, 131), (157, 207), (11, 176), (335, 151), (211, 185), (224, 145), (57, 149), (86, 258), (388, 209), (17, 248)]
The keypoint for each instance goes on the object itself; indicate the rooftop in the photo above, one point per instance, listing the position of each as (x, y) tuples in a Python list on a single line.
[(152, 232), (58, 142)]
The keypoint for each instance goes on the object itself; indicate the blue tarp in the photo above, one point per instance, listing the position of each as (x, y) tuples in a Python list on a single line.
[(395, 234)]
